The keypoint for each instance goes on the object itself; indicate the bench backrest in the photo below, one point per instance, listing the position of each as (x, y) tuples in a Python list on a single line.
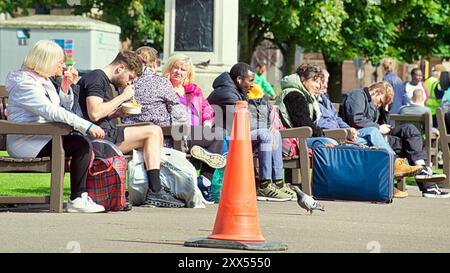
[(3, 101), (423, 123)]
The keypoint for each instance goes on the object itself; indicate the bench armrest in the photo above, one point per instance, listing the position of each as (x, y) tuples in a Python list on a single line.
[(337, 134), (24, 128), (298, 132)]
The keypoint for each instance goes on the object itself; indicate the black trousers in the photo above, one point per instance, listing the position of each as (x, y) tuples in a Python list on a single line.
[(80, 150), (406, 141), (212, 139)]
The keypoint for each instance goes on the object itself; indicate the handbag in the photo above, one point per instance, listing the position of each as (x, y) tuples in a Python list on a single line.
[(289, 145), (106, 176)]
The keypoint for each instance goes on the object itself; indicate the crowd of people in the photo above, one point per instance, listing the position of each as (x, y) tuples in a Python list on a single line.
[(45, 90)]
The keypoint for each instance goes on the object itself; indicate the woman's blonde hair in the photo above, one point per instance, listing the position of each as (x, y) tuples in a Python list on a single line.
[(44, 57), (179, 59), (383, 88)]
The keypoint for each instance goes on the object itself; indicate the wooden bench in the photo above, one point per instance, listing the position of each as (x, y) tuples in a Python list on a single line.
[(54, 164), (297, 168), (425, 126)]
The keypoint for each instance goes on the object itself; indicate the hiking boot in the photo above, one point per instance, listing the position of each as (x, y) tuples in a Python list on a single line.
[(400, 194), (83, 204), (204, 184), (427, 175), (435, 192), (215, 161), (162, 199), (286, 189), (272, 193), (402, 169)]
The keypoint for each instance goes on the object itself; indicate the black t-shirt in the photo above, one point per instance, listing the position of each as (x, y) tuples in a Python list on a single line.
[(96, 83)]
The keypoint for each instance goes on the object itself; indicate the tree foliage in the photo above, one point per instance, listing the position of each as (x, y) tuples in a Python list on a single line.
[(140, 20), (346, 29)]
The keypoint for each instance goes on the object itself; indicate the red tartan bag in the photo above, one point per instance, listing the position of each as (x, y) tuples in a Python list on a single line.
[(289, 145), (106, 177)]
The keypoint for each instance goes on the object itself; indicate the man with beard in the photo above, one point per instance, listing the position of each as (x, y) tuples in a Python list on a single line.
[(99, 106)]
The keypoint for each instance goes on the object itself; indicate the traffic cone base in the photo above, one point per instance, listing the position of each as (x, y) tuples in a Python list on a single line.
[(212, 243)]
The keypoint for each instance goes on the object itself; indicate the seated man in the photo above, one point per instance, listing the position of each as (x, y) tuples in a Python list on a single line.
[(234, 86), (99, 106), (366, 107)]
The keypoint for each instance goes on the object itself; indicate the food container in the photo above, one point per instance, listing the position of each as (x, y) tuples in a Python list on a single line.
[(132, 108)]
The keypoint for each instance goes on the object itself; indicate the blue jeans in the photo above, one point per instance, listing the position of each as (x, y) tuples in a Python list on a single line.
[(314, 142), (371, 136), (270, 157)]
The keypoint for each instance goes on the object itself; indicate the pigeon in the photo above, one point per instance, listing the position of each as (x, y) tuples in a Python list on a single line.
[(203, 64), (307, 202)]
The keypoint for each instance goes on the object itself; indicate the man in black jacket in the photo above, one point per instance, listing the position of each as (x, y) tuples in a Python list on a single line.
[(366, 107), (229, 88)]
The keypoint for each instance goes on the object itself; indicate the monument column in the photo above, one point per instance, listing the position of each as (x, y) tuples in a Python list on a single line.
[(207, 32)]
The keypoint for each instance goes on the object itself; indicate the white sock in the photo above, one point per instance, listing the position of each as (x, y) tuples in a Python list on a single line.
[(420, 162)]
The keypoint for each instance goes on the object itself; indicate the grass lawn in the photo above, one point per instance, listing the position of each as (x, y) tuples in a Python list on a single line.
[(28, 184)]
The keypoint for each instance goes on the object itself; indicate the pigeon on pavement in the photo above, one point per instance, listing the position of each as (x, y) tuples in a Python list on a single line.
[(307, 202)]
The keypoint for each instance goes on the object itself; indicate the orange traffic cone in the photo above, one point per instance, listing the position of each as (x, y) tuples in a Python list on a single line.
[(237, 224)]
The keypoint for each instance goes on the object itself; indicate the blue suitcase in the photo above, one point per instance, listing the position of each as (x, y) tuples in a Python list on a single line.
[(353, 173)]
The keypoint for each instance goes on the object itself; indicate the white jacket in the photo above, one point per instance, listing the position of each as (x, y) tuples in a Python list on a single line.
[(32, 98)]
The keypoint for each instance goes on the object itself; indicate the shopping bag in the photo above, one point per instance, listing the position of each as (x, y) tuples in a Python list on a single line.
[(106, 176)]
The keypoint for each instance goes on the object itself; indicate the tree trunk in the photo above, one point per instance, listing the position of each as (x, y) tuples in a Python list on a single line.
[(335, 80), (289, 57), (244, 43)]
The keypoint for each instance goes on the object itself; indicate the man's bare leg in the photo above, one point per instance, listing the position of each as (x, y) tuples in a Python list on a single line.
[(149, 138)]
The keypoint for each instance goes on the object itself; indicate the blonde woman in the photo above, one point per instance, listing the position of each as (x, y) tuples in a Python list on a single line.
[(33, 98), (179, 70), (205, 142)]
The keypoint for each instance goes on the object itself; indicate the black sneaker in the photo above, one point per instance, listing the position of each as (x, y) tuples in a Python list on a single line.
[(435, 192), (162, 199), (427, 175)]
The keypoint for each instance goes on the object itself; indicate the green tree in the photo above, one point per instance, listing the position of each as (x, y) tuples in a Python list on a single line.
[(312, 25), (139, 20), (20, 7), (346, 29)]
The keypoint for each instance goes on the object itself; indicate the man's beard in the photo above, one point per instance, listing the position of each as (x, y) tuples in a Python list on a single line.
[(117, 83)]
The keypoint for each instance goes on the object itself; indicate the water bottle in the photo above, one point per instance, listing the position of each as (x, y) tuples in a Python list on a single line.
[(216, 184), (217, 179)]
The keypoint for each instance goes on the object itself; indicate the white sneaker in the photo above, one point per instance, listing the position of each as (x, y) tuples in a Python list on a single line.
[(84, 204)]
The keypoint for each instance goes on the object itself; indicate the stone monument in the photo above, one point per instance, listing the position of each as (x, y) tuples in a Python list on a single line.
[(207, 32)]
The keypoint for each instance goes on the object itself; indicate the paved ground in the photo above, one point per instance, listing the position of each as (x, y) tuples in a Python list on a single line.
[(414, 224)]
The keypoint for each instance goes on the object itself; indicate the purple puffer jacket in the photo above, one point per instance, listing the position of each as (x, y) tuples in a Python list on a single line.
[(202, 106)]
